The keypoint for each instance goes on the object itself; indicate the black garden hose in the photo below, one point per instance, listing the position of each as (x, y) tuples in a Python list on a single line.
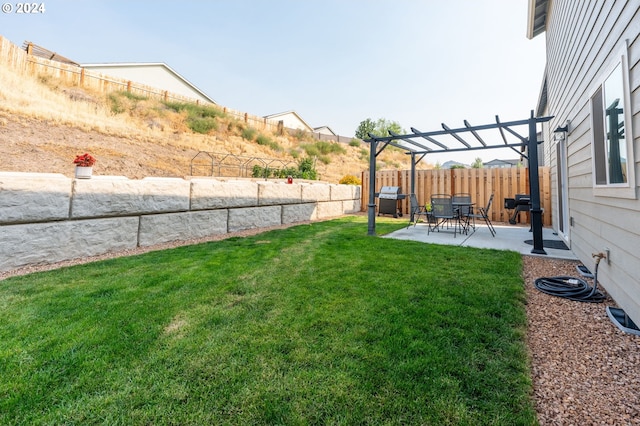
[(573, 288)]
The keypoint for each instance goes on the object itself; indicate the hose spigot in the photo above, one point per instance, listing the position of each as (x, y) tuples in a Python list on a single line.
[(599, 256)]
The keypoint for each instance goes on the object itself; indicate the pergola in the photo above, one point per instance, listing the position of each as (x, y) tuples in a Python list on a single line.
[(418, 144)]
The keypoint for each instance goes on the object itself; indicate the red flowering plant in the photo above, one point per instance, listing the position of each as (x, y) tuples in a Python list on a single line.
[(84, 160)]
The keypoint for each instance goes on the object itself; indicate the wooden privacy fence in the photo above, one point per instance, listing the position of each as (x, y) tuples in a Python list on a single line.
[(480, 183)]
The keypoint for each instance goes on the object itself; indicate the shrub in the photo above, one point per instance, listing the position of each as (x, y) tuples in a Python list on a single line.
[(202, 125), (350, 180), (133, 96), (355, 142), (249, 133), (116, 104), (306, 170), (325, 159), (195, 110), (124, 101), (200, 118), (267, 141), (294, 153), (323, 148)]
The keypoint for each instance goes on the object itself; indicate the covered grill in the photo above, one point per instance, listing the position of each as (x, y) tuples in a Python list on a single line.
[(522, 203), (388, 200)]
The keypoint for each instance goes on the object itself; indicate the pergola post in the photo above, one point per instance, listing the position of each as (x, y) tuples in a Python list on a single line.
[(534, 188), (373, 149), (412, 189)]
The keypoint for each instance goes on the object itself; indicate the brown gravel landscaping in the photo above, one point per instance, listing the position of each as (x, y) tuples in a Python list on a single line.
[(585, 370)]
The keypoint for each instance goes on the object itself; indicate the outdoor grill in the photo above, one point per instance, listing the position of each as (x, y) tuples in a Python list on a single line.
[(388, 200), (522, 203)]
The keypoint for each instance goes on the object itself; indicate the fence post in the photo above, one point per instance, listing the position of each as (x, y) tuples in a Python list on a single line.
[(82, 77), (128, 86)]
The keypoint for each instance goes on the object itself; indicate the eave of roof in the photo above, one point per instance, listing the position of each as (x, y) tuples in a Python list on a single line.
[(537, 17), (542, 97), (281, 114)]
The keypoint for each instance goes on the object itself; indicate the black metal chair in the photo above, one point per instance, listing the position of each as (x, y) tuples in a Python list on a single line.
[(483, 213), (417, 210), (462, 202), (443, 213)]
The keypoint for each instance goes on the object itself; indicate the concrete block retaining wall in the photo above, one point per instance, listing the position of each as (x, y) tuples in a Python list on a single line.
[(47, 218)]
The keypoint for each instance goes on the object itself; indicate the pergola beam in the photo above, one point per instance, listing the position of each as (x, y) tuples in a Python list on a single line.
[(458, 138), (429, 138), (504, 138), (412, 142), (474, 133)]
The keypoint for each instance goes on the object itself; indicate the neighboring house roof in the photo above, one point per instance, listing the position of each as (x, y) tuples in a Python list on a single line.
[(537, 19), (501, 163), (291, 120), (449, 164), (154, 74), (325, 130)]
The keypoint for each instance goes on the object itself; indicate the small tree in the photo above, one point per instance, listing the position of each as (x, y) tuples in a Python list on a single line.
[(477, 163), (367, 126), (378, 128)]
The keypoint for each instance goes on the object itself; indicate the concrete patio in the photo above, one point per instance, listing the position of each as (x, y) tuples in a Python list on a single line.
[(508, 237)]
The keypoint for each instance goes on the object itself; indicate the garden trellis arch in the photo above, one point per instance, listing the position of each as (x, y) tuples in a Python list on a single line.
[(418, 144)]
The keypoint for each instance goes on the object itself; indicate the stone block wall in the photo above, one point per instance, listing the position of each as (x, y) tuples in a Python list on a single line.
[(47, 218)]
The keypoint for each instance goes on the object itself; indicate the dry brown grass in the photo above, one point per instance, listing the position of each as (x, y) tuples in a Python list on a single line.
[(45, 124)]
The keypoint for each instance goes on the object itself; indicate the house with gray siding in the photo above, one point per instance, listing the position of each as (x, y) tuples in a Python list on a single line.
[(591, 87)]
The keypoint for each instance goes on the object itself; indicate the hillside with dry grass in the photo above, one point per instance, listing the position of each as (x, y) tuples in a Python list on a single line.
[(44, 125)]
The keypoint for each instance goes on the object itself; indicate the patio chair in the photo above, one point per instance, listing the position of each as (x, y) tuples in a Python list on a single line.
[(443, 213), (417, 210), (462, 203), (483, 213)]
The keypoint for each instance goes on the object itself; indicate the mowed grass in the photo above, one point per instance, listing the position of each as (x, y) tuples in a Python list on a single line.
[(314, 324)]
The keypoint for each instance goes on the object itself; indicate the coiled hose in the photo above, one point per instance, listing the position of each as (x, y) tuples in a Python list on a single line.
[(573, 288)]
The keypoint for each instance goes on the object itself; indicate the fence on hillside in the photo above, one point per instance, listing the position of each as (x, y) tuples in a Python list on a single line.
[(480, 183), (70, 74)]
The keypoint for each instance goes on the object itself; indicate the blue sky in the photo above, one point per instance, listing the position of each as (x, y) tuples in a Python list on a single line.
[(336, 63)]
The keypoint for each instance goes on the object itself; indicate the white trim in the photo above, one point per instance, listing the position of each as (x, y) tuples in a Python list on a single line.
[(628, 189)]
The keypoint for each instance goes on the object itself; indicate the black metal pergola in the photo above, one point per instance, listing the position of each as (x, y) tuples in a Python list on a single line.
[(418, 144)]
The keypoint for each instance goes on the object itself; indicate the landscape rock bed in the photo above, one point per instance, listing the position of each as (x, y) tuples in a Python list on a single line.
[(585, 370)]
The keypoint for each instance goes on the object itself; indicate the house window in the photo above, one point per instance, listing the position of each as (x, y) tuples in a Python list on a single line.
[(611, 126), (609, 145)]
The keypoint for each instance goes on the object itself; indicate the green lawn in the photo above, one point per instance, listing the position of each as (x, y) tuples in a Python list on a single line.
[(315, 324)]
